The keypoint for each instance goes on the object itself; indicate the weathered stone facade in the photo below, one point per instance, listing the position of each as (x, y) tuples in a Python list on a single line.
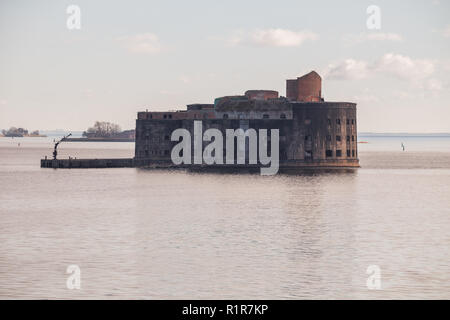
[(312, 133)]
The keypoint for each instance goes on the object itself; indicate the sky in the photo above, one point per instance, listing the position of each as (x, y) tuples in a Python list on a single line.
[(129, 56)]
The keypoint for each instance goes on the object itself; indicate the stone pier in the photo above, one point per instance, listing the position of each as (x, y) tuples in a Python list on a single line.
[(87, 163)]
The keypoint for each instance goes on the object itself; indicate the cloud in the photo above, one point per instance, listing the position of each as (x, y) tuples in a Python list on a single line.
[(404, 67), (142, 43), (373, 36), (418, 72), (349, 69), (272, 38), (397, 65)]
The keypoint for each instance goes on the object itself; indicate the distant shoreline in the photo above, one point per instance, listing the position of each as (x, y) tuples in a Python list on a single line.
[(99, 140), (402, 134), (25, 136)]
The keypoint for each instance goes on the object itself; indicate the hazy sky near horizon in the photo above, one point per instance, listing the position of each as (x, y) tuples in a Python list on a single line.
[(129, 56)]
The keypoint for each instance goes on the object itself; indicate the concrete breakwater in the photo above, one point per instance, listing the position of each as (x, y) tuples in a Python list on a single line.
[(146, 163), (99, 140), (88, 163)]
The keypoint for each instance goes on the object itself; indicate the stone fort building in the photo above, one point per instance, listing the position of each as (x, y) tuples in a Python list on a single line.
[(313, 132)]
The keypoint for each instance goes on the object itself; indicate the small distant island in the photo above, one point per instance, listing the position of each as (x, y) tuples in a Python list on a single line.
[(14, 132), (105, 132)]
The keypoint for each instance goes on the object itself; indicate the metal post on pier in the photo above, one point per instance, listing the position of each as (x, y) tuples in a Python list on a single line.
[(55, 150)]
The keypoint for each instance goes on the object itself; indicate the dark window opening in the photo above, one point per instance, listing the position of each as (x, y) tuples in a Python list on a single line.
[(348, 121), (225, 116), (353, 153), (329, 122), (348, 153), (329, 153), (166, 152), (307, 138), (151, 116), (338, 138), (282, 116), (166, 137), (165, 116), (265, 116), (146, 153), (353, 138), (170, 116), (348, 138), (338, 121), (353, 121), (338, 153), (328, 138)]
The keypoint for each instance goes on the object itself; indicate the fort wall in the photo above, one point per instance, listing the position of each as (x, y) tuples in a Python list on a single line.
[(317, 133)]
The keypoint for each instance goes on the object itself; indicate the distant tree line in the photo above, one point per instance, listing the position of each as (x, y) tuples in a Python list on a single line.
[(18, 132), (102, 130)]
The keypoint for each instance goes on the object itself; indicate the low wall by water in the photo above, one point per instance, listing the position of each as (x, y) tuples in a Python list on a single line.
[(147, 163), (99, 140), (87, 163)]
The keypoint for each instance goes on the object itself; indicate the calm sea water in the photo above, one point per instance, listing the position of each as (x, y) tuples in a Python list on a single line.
[(171, 234)]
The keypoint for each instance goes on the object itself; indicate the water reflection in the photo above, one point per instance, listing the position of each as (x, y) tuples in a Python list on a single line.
[(175, 234)]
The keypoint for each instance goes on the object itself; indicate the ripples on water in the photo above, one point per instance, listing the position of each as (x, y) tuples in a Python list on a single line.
[(172, 234)]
